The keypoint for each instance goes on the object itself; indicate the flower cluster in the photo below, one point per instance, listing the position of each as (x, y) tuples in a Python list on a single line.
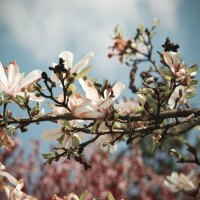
[(87, 111), (13, 83)]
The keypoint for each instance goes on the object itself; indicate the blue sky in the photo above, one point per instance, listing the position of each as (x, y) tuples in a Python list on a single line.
[(34, 32)]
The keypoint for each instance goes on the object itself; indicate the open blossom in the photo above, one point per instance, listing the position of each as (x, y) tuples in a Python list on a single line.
[(13, 192), (67, 58), (180, 182), (92, 105), (177, 67), (100, 105), (13, 83)]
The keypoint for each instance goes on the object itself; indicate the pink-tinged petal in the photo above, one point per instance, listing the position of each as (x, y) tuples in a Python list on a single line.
[(67, 57), (59, 110), (3, 78), (11, 179), (95, 114), (172, 59), (106, 104), (52, 134), (30, 78), (13, 69), (14, 89), (80, 110), (82, 63), (117, 89), (89, 89)]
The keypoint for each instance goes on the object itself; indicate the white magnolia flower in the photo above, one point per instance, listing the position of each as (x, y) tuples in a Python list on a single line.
[(13, 83), (13, 194), (13, 191), (67, 57), (92, 105), (97, 105), (177, 67), (79, 106), (180, 182)]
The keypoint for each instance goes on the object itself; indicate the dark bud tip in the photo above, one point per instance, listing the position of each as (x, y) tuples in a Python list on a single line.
[(44, 75), (169, 46)]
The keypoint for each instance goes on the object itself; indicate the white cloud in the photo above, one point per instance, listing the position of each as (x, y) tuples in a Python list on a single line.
[(47, 27)]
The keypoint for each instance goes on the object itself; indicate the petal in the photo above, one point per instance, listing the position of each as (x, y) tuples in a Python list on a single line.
[(2, 167), (141, 99), (67, 57), (52, 134), (15, 87), (175, 95), (3, 78), (169, 61), (117, 89), (106, 104), (82, 63), (30, 78), (12, 180), (13, 69), (80, 111), (90, 90)]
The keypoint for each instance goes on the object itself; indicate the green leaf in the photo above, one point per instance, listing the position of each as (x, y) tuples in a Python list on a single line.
[(141, 27), (72, 89), (20, 100), (84, 195), (193, 82), (83, 73), (117, 30), (165, 73), (61, 138), (189, 95), (151, 101), (96, 125), (193, 68), (12, 131), (76, 140), (154, 145), (67, 125), (110, 196)]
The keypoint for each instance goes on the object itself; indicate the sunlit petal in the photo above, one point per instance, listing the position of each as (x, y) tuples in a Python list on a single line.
[(13, 69), (67, 58), (30, 78), (82, 63), (52, 134)]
